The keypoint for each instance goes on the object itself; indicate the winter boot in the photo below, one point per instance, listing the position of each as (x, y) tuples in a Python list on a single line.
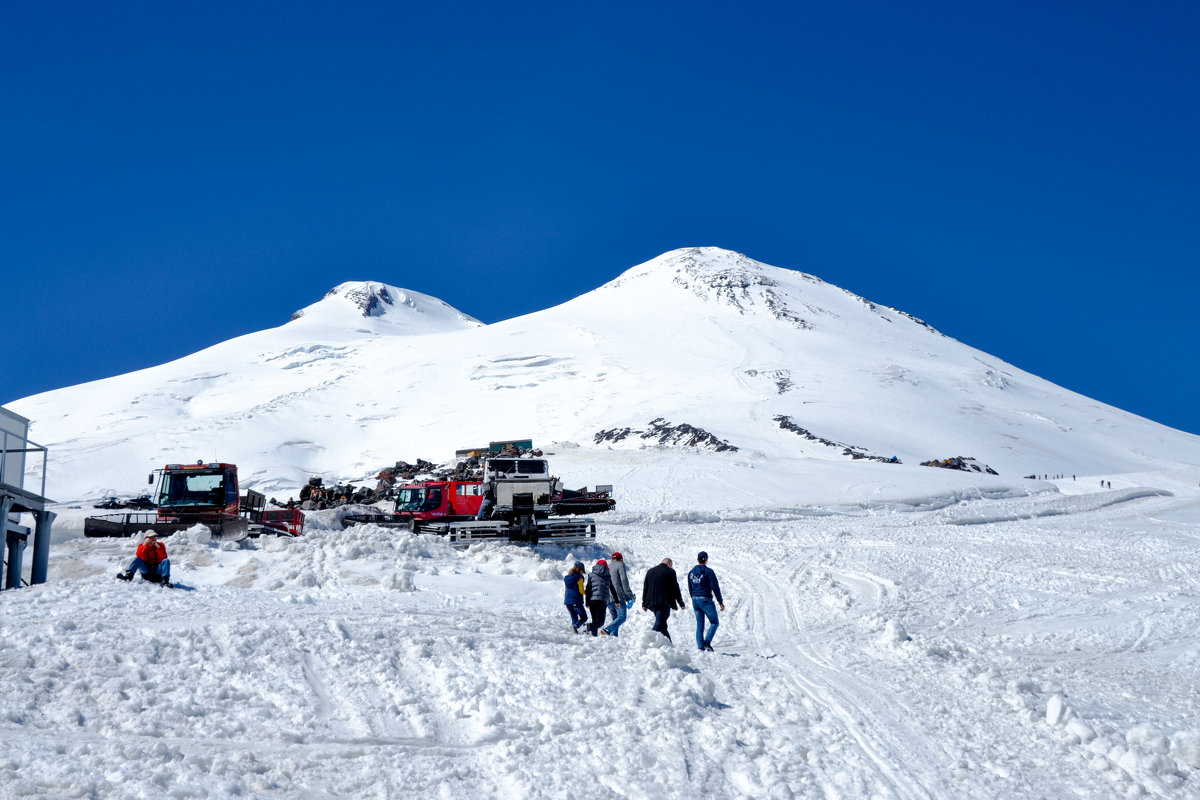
[(127, 575)]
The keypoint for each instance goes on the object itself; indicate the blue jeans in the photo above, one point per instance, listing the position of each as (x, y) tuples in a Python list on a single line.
[(577, 616), (618, 612), (163, 571), (705, 607)]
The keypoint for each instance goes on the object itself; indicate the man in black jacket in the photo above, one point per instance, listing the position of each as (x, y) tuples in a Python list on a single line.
[(660, 594)]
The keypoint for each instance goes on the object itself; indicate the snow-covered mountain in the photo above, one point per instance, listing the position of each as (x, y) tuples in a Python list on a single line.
[(700, 353), (887, 630)]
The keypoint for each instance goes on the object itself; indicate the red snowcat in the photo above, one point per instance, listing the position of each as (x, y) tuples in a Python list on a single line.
[(205, 494), (526, 506)]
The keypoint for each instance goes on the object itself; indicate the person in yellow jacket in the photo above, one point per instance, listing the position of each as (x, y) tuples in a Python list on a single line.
[(573, 599)]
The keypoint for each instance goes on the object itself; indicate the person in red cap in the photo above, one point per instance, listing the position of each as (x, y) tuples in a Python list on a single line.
[(600, 593), (620, 582)]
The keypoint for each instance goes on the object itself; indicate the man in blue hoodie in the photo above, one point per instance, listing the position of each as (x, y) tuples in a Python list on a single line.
[(703, 587)]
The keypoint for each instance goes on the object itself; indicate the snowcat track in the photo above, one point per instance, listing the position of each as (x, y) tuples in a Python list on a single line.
[(403, 521), (465, 534), (231, 529)]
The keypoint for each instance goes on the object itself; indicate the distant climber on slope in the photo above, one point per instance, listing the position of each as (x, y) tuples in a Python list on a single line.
[(151, 562)]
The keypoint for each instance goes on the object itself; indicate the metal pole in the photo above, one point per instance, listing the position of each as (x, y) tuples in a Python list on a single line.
[(41, 546), (12, 547)]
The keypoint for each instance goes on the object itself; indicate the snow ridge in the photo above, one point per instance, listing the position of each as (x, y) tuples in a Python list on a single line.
[(722, 346)]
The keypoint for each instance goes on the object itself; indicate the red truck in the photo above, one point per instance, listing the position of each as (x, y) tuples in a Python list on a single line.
[(200, 493), (525, 504)]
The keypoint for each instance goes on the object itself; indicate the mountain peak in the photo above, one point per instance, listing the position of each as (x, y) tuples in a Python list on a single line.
[(721, 277), (373, 299), (387, 308)]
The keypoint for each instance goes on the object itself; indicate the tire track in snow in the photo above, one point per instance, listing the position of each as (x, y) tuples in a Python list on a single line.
[(887, 741), (313, 676)]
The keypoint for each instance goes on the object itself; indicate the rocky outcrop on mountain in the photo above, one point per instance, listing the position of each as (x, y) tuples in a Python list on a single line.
[(960, 463), (738, 281), (372, 298), (857, 453), (390, 309), (668, 435), (782, 378)]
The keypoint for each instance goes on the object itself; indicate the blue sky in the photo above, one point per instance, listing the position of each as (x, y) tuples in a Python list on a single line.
[(1025, 178)]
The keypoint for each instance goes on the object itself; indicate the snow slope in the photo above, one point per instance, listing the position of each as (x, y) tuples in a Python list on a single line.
[(777, 364)]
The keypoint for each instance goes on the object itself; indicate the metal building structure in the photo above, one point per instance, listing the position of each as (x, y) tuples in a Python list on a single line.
[(15, 449)]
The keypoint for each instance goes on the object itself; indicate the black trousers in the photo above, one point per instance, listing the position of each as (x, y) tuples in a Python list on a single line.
[(597, 607), (661, 614)]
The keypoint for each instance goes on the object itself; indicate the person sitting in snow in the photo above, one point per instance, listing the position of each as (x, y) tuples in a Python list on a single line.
[(151, 562)]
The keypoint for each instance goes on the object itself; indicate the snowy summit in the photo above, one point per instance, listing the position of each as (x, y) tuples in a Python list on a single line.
[(387, 309)]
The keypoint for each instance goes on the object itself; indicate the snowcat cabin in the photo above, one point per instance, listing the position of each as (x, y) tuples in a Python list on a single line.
[(436, 500), (521, 485), (196, 488), (419, 499)]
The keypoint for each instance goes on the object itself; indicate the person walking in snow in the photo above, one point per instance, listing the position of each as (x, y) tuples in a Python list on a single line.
[(703, 587), (600, 593), (151, 562), (660, 594), (573, 600), (624, 595)]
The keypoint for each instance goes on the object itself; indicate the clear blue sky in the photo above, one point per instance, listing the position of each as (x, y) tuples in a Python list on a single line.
[(1023, 176)]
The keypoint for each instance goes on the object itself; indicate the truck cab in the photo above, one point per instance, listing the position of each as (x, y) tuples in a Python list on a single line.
[(429, 500), (193, 490)]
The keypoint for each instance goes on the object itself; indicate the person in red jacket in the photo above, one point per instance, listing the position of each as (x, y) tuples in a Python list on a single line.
[(151, 562)]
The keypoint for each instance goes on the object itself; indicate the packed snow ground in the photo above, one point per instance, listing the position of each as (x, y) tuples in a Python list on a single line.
[(892, 631), (1044, 645)]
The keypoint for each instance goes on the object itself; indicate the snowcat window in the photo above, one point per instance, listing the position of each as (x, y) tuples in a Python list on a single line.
[(470, 489), (531, 467), (410, 499), (194, 489), (506, 465), (433, 501)]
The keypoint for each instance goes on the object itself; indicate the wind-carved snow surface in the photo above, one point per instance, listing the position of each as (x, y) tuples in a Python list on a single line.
[(1046, 649), (891, 630)]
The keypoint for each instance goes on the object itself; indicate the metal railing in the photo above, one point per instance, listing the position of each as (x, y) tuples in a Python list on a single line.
[(26, 446)]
